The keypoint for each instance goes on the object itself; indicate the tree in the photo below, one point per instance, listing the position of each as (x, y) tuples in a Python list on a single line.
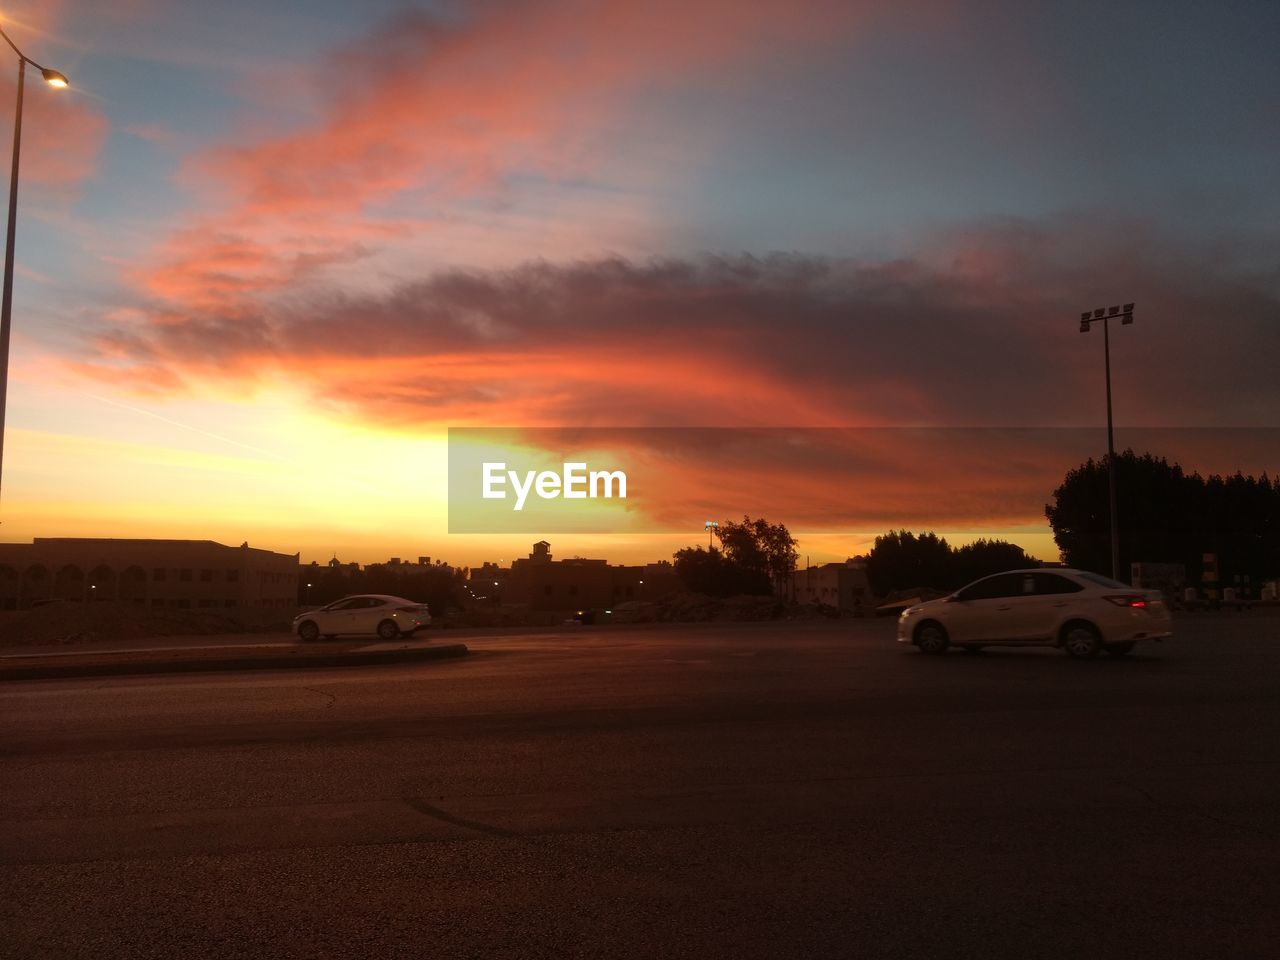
[(712, 573), (899, 560), (1167, 516), (760, 546), (1154, 500), (437, 584), (757, 557), (984, 557)]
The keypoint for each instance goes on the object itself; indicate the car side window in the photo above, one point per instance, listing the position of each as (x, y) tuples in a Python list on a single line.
[(1001, 585), (342, 605), (1051, 583)]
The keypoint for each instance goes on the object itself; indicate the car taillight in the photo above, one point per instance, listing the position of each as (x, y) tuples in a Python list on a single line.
[(1126, 600)]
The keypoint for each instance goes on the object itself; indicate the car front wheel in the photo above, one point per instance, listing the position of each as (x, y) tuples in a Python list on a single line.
[(308, 631), (931, 637), (389, 630)]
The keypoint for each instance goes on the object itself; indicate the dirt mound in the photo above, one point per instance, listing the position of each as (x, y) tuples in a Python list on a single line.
[(71, 622)]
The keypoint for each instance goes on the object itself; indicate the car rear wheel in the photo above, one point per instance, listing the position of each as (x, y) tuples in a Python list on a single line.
[(931, 637), (1081, 641), (388, 630), (308, 631), (1120, 649)]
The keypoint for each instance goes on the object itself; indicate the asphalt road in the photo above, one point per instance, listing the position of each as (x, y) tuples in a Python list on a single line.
[(806, 791)]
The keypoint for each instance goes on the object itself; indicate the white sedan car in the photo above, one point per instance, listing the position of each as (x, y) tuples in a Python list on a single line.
[(369, 613), (1082, 612)]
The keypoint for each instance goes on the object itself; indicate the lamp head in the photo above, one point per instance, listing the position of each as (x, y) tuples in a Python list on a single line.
[(54, 78)]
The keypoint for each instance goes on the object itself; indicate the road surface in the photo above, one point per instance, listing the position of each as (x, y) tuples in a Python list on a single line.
[(806, 790)]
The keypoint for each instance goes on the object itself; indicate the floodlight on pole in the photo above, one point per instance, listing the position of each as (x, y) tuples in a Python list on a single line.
[(54, 79), (1105, 314)]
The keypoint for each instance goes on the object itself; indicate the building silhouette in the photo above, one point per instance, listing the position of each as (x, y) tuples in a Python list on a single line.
[(541, 582), (154, 573), (842, 585)]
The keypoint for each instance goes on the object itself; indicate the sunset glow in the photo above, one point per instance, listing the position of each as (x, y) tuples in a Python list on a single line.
[(268, 257)]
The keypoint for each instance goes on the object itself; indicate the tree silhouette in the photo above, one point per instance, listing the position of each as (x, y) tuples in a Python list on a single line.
[(760, 546), (1167, 516), (437, 584), (757, 557), (709, 571), (900, 560), (984, 557)]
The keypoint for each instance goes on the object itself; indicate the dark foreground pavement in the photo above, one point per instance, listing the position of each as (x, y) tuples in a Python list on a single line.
[(155, 658), (778, 791)]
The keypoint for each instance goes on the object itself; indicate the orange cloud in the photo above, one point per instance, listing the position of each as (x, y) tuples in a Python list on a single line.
[(442, 106), (747, 341), (977, 329)]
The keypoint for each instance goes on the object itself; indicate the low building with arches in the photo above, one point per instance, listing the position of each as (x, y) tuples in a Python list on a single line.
[(184, 574)]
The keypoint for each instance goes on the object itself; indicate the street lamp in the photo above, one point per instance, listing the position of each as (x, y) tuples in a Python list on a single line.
[(712, 528), (1086, 320), (54, 79)]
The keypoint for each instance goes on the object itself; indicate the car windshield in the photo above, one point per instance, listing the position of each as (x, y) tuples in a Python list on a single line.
[(1101, 580)]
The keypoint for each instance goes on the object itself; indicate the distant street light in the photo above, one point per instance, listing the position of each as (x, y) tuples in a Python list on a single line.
[(712, 528), (1086, 319), (54, 79)]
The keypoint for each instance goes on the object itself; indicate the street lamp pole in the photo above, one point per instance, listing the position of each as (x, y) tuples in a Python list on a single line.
[(1086, 319), (54, 79)]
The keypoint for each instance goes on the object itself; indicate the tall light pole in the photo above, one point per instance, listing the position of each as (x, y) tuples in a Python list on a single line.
[(712, 527), (1086, 320), (54, 79)]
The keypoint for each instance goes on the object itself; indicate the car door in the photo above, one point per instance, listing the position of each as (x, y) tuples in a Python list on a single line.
[(1055, 597), (981, 611), (1025, 614), (336, 618), (368, 615)]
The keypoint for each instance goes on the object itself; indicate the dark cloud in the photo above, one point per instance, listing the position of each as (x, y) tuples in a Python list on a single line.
[(980, 328)]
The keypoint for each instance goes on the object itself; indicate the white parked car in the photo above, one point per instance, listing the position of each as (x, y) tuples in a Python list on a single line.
[(369, 613), (1082, 612)]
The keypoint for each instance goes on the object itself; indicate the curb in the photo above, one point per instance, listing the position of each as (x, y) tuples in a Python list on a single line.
[(60, 668)]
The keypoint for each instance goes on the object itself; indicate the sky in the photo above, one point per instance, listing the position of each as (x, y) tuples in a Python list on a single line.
[(268, 255)]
